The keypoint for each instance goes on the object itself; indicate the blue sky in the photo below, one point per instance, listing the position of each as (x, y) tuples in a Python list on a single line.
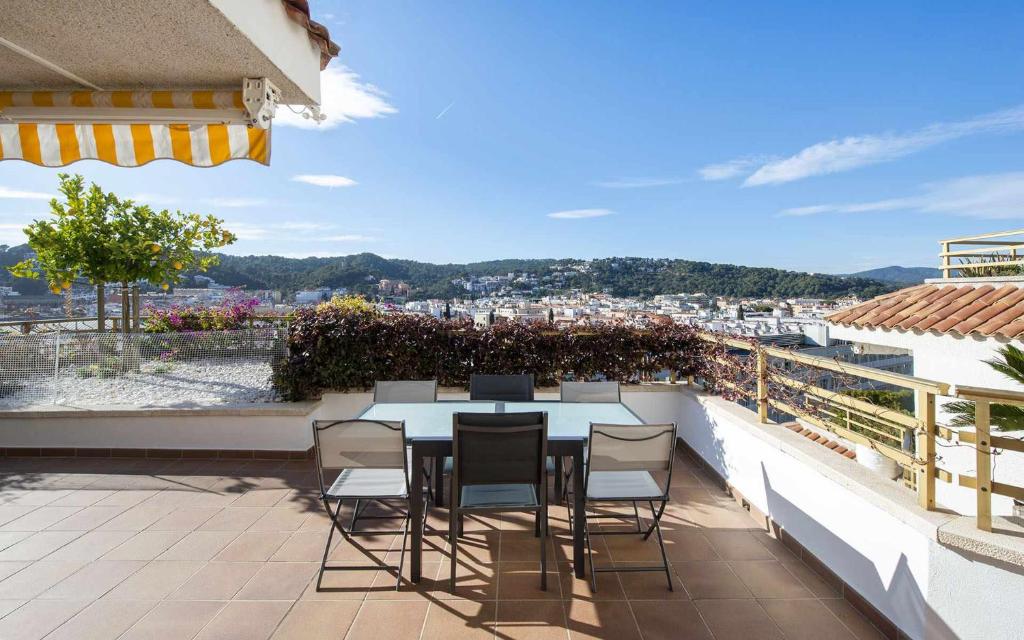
[(804, 136)]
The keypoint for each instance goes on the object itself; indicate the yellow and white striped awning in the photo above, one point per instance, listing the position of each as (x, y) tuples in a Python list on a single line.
[(129, 129)]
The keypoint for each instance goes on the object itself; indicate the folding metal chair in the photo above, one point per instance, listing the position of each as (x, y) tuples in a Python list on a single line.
[(619, 466), (575, 392), (499, 466), (370, 456), (501, 388)]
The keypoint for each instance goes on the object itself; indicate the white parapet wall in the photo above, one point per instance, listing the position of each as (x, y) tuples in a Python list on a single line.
[(868, 530)]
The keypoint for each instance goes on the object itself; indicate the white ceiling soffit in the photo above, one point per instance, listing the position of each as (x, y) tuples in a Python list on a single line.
[(56, 45)]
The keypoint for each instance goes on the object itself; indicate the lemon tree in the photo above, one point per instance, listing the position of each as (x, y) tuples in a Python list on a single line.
[(102, 238)]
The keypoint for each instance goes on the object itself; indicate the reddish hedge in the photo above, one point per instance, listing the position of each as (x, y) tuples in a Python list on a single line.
[(336, 349)]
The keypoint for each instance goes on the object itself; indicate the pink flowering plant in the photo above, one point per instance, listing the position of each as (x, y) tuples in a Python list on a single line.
[(233, 313)]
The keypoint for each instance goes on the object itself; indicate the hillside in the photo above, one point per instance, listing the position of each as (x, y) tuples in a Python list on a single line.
[(900, 275), (642, 277)]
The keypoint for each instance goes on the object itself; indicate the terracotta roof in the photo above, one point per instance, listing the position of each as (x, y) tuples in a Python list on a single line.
[(969, 309), (822, 440), (298, 10)]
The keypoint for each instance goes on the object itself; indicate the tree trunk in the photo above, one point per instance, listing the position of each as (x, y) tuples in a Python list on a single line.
[(101, 308), (135, 308), (126, 325)]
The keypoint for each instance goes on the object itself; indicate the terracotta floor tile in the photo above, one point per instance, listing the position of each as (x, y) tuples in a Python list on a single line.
[(174, 620), (363, 549), (340, 585), (738, 545), (137, 518), (38, 545), (280, 519), (481, 547), (310, 619), (278, 581), (705, 580), (388, 621), (260, 498), (90, 546), (530, 620), (40, 518), (601, 620), (199, 545), (460, 620), (36, 618), (155, 581), (93, 580), (255, 546), (810, 579), (383, 587), (806, 619), (10, 538), (856, 623), (87, 518), (10, 568), (520, 546), (82, 498), (245, 621), (738, 620), (769, 580), (574, 588), (9, 512), (521, 581), (217, 581), (233, 518), (647, 585), (103, 620), (472, 581), (36, 578), (686, 545), (187, 519), (658, 622), (146, 545)]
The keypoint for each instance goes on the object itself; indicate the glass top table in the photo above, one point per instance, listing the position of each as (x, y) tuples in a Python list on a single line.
[(433, 420), (428, 428)]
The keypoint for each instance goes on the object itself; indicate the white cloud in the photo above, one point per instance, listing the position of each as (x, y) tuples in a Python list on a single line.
[(998, 195), (325, 180), (303, 226), (12, 234), (236, 202), (246, 231), (730, 169), (576, 214), (16, 194), (153, 198), (637, 183), (852, 152), (343, 98)]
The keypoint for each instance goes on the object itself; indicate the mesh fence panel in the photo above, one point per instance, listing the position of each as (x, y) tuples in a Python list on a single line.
[(144, 369)]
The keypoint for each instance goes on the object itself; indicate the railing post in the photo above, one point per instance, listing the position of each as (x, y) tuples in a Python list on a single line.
[(924, 405), (983, 447), (762, 385), (945, 259)]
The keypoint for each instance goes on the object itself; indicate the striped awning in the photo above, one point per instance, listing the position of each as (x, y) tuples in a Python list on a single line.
[(129, 129)]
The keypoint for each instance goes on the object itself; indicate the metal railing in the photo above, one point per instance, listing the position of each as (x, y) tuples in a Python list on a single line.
[(989, 254), (908, 440), (112, 324)]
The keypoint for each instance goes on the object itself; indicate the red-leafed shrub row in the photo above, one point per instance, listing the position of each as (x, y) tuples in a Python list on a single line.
[(336, 348)]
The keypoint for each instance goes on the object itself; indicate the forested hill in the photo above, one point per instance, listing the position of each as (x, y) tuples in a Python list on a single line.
[(620, 276)]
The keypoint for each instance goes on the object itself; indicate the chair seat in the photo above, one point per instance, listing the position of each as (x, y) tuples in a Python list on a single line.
[(370, 483), (448, 464), (482, 496), (622, 485)]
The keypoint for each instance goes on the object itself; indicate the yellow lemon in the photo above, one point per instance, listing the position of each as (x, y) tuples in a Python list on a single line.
[(165, 286), (155, 248), (178, 265), (66, 284), (54, 288)]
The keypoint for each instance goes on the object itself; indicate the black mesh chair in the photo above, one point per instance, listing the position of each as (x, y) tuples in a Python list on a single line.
[(620, 466), (499, 466), (518, 388), (370, 458)]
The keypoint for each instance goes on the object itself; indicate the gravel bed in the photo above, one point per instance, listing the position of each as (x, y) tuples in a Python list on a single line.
[(182, 384)]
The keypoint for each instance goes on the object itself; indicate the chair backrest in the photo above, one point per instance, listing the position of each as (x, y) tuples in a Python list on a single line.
[(405, 391), (631, 447), (499, 448), (502, 388), (590, 392), (358, 444)]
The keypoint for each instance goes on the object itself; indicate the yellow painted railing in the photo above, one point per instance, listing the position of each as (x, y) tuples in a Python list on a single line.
[(990, 254)]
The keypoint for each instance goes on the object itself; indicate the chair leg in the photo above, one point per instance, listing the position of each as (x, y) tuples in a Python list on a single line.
[(590, 553), (661, 511), (543, 517), (661, 543), (355, 516), (330, 537), (454, 542), (401, 554), (536, 525), (636, 515)]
